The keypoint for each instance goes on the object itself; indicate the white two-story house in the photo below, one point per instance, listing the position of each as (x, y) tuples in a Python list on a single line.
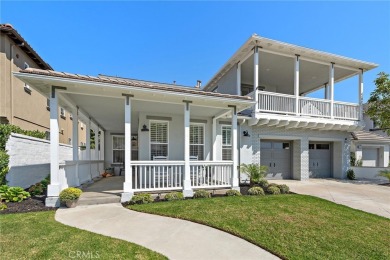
[(297, 137), (168, 137)]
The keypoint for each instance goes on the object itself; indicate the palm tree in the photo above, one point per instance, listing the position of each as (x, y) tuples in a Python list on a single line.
[(254, 171), (384, 173)]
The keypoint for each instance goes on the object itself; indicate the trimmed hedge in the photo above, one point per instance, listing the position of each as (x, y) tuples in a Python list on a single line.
[(233, 193), (142, 198), (199, 194), (174, 196), (256, 191)]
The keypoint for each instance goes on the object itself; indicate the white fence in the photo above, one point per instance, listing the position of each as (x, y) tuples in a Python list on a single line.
[(169, 175), (285, 104)]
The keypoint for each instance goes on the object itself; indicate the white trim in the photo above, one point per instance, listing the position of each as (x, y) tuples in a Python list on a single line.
[(203, 125)]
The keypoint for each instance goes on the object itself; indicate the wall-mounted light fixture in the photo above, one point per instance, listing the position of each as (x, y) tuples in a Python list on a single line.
[(144, 128), (246, 134)]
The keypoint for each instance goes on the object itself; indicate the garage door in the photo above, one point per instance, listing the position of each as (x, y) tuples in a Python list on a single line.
[(319, 160), (370, 156), (276, 155)]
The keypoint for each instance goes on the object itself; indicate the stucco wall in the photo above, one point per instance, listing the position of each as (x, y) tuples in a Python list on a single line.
[(228, 83), (369, 172), (29, 160)]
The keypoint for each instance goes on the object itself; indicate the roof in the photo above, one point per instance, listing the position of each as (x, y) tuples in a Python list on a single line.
[(8, 30), (285, 49), (132, 83), (365, 136)]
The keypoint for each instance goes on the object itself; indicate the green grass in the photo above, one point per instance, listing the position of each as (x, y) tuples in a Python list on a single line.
[(291, 226), (38, 236)]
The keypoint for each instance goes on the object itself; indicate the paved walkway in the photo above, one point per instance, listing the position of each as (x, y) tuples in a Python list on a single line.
[(103, 191), (174, 238), (369, 197)]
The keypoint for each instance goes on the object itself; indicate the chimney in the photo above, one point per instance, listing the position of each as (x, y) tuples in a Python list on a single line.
[(198, 84), (174, 82)]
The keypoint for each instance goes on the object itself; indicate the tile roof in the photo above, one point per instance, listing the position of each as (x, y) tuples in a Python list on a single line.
[(8, 30), (369, 137), (132, 83)]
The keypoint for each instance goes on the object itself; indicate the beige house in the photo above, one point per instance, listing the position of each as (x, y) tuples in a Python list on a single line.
[(19, 104)]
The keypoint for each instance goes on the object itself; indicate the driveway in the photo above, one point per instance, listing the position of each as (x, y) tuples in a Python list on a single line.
[(372, 198)]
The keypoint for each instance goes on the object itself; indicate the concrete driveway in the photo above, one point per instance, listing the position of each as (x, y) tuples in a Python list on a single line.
[(372, 198)]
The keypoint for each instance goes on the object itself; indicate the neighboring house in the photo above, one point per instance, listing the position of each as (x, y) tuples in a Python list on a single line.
[(20, 104), (170, 137)]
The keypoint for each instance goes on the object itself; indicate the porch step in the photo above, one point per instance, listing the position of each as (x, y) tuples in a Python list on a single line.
[(94, 198)]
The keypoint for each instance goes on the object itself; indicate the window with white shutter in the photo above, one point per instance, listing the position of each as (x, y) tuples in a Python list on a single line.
[(118, 148), (197, 141), (158, 139), (226, 143)]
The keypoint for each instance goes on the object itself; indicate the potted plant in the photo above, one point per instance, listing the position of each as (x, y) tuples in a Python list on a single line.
[(70, 196), (255, 172)]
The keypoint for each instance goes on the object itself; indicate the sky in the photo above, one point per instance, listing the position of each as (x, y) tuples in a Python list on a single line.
[(187, 41)]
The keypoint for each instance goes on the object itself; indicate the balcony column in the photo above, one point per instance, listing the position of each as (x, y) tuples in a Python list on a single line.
[(101, 153), (296, 84), (256, 76), (75, 134), (361, 95), (235, 184), (88, 140), (238, 79), (331, 90), (54, 188), (128, 184), (187, 189), (326, 87)]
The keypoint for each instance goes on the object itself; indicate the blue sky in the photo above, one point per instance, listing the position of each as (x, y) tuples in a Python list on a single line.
[(186, 41)]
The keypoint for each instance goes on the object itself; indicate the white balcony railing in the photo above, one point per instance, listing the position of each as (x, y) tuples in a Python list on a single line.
[(169, 175), (270, 102)]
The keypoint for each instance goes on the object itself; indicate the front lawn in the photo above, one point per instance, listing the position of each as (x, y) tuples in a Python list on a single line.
[(291, 226), (38, 236)]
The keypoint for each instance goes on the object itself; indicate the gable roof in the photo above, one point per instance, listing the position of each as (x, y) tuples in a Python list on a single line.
[(8, 30), (132, 83), (365, 136)]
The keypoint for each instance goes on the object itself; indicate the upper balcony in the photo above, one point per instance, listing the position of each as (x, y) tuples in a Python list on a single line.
[(280, 76)]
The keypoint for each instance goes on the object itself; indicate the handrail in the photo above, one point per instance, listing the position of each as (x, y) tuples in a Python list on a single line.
[(157, 162), (207, 163)]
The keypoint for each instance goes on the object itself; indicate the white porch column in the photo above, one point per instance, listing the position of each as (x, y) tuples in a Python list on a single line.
[(214, 140), (54, 188), (326, 89), (256, 76), (75, 134), (88, 140), (331, 91), (235, 183), (361, 95), (187, 189), (239, 78), (296, 84), (96, 150), (101, 154), (128, 184)]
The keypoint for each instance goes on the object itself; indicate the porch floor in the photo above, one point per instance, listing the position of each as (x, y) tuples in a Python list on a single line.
[(106, 190)]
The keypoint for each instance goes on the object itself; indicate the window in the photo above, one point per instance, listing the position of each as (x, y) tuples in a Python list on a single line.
[(158, 139), (27, 87), (322, 146), (226, 143), (118, 149), (62, 113), (197, 141)]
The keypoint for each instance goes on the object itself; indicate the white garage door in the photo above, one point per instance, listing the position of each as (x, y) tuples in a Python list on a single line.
[(370, 156), (319, 160), (276, 155)]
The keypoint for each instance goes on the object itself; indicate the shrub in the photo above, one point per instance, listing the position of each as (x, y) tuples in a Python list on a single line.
[(70, 194), (142, 198), (36, 189), (384, 173), (3, 206), (233, 193), (283, 188), (201, 194), (256, 191), (174, 196), (6, 130), (273, 190), (263, 183), (45, 182), (13, 194), (4, 159), (351, 174), (254, 171)]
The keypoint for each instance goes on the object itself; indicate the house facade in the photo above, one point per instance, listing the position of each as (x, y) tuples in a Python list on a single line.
[(168, 137), (20, 104)]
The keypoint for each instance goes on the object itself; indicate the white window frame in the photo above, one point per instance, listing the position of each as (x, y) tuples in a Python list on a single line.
[(116, 149), (150, 137), (203, 144), (226, 146)]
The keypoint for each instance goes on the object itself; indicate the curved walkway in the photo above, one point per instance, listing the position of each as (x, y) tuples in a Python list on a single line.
[(174, 238)]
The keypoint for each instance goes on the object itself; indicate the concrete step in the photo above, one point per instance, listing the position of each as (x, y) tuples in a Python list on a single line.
[(98, 200)]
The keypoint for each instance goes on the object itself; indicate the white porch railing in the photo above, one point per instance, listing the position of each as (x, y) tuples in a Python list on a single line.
[(271, 102), (205, 174), (169, 175)]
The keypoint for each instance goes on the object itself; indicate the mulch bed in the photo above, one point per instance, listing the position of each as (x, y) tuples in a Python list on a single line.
[(36, 203)]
